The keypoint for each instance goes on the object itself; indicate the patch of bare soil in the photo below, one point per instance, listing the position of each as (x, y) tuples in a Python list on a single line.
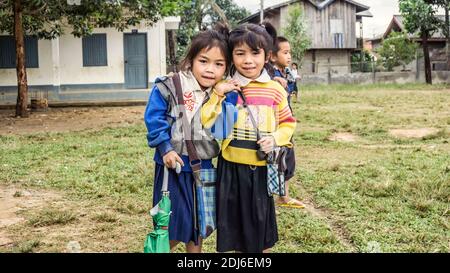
[(344, 137), (69, 119), (413, 133), (13, 200)]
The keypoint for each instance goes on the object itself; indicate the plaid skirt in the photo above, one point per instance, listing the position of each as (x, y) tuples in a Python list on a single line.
[(246, 219)]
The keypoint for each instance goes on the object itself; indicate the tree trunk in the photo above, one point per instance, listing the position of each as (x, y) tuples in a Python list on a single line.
[(447, 34), (22, 86), (172, 55), (426, 55)]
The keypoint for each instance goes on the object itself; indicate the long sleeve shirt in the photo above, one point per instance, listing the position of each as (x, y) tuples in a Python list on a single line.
[(268, 102)]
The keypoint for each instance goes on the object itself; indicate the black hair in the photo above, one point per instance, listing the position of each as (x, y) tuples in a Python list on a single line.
[(255, 36), (208, 39), (295, 65), (278, 41)]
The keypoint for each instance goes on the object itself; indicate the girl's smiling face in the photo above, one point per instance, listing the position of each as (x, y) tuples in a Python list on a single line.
[(247, 61), (209, 67)]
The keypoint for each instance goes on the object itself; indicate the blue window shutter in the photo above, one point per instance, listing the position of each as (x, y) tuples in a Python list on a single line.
[(8, 52), (31, 52), (94, 50)]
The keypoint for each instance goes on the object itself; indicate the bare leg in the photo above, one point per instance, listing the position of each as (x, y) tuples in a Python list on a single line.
[(288, 201), (267, 250), (192, 248), (173, 244)]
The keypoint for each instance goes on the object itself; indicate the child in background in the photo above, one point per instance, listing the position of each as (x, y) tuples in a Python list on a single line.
[(205, 64), (296, 76), (281, 59), (246, 220)]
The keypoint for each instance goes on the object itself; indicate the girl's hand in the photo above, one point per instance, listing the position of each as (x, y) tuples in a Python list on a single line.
[(224, 87), (282, 81), (171, 158), (267, 144)]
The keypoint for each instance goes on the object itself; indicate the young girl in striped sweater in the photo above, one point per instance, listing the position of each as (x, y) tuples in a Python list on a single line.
[(246, 220)]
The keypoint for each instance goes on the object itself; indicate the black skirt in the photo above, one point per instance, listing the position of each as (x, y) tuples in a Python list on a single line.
[(290, 164), (246, 219)]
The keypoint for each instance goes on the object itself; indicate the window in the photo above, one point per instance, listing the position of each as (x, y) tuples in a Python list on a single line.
[(338, 40), (94, 50), (8, 52)]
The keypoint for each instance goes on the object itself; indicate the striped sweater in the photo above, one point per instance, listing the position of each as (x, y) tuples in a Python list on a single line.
[(269, 106)]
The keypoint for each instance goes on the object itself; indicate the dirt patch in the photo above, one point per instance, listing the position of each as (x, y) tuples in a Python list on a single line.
[(69, 119), (13, 200), (344, 137), (413, 133)]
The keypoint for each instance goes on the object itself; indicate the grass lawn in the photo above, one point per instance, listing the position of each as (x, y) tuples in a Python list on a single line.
[(370, 191)]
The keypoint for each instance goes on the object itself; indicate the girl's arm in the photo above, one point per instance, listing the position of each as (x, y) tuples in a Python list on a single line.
[(211, 109), (219, 100), (158, 128), (286, 123), (281, 81), (227, 118)]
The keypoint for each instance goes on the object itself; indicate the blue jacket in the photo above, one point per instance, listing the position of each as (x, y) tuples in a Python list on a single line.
[(224, 123), (291, 83), (165, 129)]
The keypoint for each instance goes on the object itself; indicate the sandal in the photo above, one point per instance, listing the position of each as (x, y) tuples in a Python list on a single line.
[(292, 203)]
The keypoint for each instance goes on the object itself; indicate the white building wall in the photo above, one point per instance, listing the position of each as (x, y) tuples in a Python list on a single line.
[(36, 76), (156, 45), (71, 60)]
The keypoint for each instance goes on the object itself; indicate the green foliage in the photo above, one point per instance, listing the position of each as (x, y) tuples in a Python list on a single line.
[(232, 11), (419, 16), (52, 217), (201, 15), (366, 65), (296, 33), (46, 19), (445, 4), (396, 50)]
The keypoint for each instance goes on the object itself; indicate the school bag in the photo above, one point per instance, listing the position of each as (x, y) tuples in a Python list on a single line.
[(276, 160), (205, 179)]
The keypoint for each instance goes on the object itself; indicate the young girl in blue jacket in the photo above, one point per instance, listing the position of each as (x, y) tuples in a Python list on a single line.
[(205, 64)]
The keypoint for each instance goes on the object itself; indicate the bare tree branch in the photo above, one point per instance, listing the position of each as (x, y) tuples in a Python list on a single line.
[(219, 12)]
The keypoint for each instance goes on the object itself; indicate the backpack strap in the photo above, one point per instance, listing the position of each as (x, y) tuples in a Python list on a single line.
[(261, 155), (194, 160)]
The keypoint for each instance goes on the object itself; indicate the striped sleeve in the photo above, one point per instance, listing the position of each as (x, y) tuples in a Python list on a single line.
[(211, 110), (285, 121)]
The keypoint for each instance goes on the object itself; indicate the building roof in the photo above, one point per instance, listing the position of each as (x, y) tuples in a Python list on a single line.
[(319, 4), (365, 13), (396, 24)]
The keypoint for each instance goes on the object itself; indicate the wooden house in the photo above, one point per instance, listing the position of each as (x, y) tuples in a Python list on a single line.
[(332, 28), (437, 43)]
